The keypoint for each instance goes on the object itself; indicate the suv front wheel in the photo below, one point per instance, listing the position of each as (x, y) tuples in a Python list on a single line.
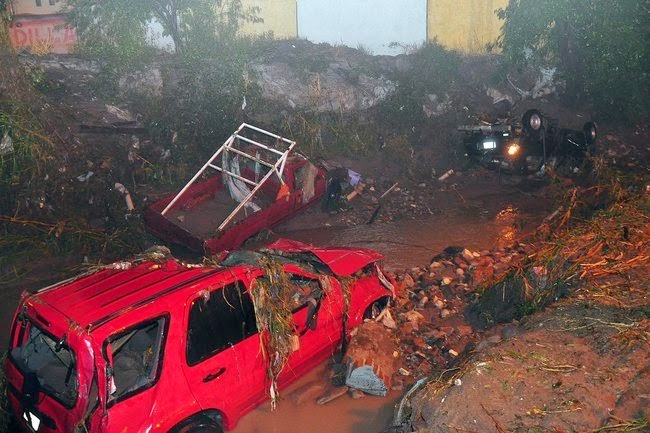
[(198, 424)]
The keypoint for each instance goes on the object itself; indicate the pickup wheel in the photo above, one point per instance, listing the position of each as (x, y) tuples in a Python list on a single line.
[(532, 122), (376, 308)]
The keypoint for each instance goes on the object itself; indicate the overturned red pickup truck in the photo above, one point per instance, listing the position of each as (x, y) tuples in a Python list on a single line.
[(156, 345), (257, 181)]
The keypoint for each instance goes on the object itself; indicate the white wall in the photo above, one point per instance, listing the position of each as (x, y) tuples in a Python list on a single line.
[(373, 24)]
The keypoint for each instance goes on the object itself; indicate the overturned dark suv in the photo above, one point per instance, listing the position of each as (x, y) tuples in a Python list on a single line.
[(530, 145)]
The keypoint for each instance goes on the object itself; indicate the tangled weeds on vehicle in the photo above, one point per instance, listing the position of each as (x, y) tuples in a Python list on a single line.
[(272, 301)]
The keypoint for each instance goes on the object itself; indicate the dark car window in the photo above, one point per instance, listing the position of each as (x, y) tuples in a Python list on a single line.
[(218, 320), (136, 357), (305, 288), (51, 362)]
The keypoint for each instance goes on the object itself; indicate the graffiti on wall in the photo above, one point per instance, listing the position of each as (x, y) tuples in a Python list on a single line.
[(42, 35)]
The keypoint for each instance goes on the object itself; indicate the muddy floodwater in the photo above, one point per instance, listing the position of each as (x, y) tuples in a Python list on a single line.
[(484, 221), (370, 414), (487, 218)]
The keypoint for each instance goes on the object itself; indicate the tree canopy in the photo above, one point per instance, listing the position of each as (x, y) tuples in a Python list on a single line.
[(123, 24), (600, 48)]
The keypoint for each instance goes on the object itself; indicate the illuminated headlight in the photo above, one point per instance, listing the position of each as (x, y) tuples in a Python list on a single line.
[(513, 149), (491, 144)]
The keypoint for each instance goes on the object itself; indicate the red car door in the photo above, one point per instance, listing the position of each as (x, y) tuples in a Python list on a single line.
[(224, 366), (317, 319)]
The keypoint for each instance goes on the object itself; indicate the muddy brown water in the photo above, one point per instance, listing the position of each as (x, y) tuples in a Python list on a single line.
[(370, 414), (486, 220), (494, 220)]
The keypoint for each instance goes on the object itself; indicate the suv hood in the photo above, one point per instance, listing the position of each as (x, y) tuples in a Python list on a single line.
[(342, 261)]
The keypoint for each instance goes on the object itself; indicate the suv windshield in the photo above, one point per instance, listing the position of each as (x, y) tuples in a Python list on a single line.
[(51, 361)]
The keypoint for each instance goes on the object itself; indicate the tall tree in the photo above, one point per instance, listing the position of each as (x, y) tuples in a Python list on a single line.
[(600, 48), (124, 23)]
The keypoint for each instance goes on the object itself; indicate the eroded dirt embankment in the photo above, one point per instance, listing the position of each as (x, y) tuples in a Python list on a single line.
[(579, 365)]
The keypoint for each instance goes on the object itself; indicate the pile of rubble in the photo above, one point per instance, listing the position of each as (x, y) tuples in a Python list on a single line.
[(433, 322)]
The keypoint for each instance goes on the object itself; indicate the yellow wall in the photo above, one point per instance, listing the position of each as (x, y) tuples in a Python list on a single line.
[(28, 7), (279, 17), (464, 25)]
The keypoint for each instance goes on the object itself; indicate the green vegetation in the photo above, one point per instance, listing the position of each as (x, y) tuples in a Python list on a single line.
[(433, 70), (120, 27), (598, 46)]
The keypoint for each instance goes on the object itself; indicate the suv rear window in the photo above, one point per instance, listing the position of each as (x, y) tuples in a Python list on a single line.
[(136, 356), (51, 361), (219, 320)]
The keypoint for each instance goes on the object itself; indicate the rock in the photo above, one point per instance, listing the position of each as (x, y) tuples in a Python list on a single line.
[(413, 317), (408, 281), (369, 356), (329, 90), (365, 378), (467, 255), (387, 319)]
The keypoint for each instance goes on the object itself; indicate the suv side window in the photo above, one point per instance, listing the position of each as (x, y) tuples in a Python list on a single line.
[(221, 319), (136, 356), (305, 289)]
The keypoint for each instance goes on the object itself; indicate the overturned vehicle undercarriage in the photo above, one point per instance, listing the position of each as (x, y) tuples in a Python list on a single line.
[(532, 144)]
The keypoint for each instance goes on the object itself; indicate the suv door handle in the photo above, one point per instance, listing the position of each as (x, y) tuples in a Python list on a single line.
[(214, 375)]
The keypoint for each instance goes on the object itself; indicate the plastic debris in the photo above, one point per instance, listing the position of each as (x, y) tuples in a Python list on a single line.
[(448, 173), (364, 378), (127, 195), (85, 177), (6, 144)]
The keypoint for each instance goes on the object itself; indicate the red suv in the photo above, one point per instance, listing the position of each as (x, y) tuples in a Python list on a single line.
[(159, 346)]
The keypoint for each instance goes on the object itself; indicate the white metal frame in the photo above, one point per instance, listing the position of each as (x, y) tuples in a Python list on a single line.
[(276, 165)]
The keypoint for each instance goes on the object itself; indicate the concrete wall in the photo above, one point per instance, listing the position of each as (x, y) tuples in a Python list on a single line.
[(279, 17), (42, 35), (31, 7), (371, 24), (464, 25)]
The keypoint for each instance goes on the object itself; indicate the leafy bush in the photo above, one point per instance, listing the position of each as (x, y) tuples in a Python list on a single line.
[(432, 72), (600, 47)]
